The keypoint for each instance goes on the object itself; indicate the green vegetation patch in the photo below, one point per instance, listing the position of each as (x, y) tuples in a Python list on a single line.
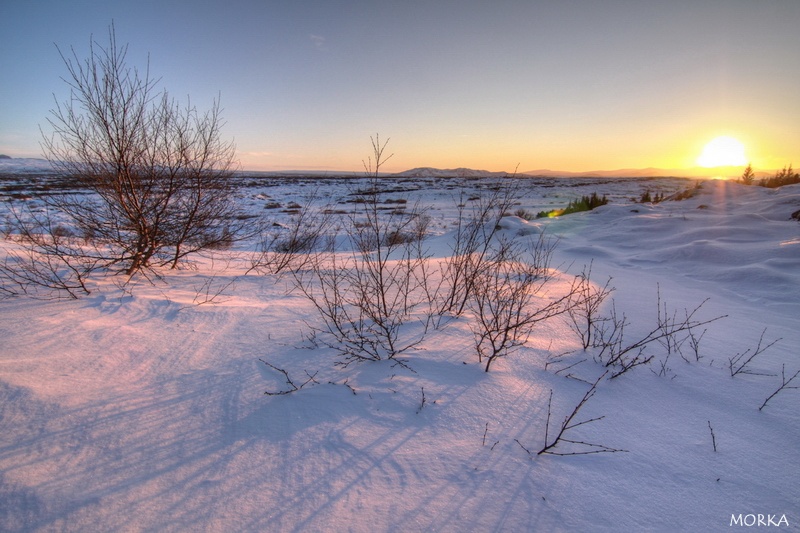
[(585, 203)]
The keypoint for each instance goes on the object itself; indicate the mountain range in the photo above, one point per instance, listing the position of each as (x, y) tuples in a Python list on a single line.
[(696, 172)]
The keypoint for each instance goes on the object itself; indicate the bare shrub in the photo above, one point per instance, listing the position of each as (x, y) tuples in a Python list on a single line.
[(508, 299), (584, 312), (670, 331), (155, 175), (368, 297), (694, 345), (471, 250)]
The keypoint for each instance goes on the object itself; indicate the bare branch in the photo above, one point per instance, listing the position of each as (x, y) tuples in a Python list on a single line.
[(616, 353), (584, 448), (738, 363), (713, 437), (289, 382), (785, 385), (584, 311)]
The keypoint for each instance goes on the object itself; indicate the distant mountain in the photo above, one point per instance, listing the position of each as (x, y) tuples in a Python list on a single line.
[(621, 173), (428, 172), (696, 172)]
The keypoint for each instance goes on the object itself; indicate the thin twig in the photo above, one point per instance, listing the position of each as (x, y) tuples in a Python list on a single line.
[(289, 381), (713, 437), (523, 447), (784, 385), (422, 403), (568, 424), (738, 367)]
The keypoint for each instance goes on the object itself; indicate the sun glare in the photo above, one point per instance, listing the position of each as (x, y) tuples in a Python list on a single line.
[(722, 152)]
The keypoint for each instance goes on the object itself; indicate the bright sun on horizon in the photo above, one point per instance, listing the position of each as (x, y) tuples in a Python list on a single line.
[(722, 152)]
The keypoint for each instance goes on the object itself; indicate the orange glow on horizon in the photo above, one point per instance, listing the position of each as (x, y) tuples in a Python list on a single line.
[(703, 153)]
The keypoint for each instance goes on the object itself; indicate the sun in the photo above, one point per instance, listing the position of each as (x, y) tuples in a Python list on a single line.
[(722, 152)]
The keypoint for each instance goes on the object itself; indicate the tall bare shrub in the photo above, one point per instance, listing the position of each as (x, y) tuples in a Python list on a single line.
[(372, 300), (510, 297), (471, 251), (154, 177)]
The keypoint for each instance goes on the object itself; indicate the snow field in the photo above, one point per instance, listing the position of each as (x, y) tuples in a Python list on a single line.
[(142, 407)]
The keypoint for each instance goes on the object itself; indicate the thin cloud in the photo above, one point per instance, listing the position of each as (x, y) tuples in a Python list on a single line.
[(257, 154), (319, 41)]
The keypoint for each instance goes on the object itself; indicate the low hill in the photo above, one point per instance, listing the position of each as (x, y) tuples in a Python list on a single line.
[(429, 172), (695, 172)]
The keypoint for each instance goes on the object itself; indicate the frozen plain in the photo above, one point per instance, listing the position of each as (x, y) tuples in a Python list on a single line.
[(136, 409)]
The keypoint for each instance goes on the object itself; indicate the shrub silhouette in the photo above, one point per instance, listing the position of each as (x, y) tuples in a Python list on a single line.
[(585, 203), (158, 172)]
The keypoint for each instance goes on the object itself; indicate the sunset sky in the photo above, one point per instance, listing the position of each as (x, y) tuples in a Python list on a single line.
[(570, 85)]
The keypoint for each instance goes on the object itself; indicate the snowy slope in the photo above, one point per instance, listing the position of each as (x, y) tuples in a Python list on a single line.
[(142, 407)]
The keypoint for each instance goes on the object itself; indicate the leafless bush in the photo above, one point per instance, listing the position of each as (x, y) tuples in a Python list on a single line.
[(476, 228), (584, 312), (373, 300), (155, 177), (508, 299), (365, 313), (622, 356), (694, 345), (291, 247)]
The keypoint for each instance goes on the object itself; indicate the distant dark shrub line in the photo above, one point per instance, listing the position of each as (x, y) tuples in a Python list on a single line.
[(647, 198), (585, 203), (785, 176)]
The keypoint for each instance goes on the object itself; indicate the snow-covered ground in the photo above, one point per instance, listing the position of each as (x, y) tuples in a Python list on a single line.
[(142, 408)]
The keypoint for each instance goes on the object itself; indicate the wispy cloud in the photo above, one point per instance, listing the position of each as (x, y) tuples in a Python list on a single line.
[(256, 154), (319, 41)]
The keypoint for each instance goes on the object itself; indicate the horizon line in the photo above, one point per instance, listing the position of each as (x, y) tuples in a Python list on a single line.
[(695, 171)]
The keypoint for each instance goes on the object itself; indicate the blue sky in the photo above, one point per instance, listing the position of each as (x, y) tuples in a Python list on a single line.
[(570, 85)]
